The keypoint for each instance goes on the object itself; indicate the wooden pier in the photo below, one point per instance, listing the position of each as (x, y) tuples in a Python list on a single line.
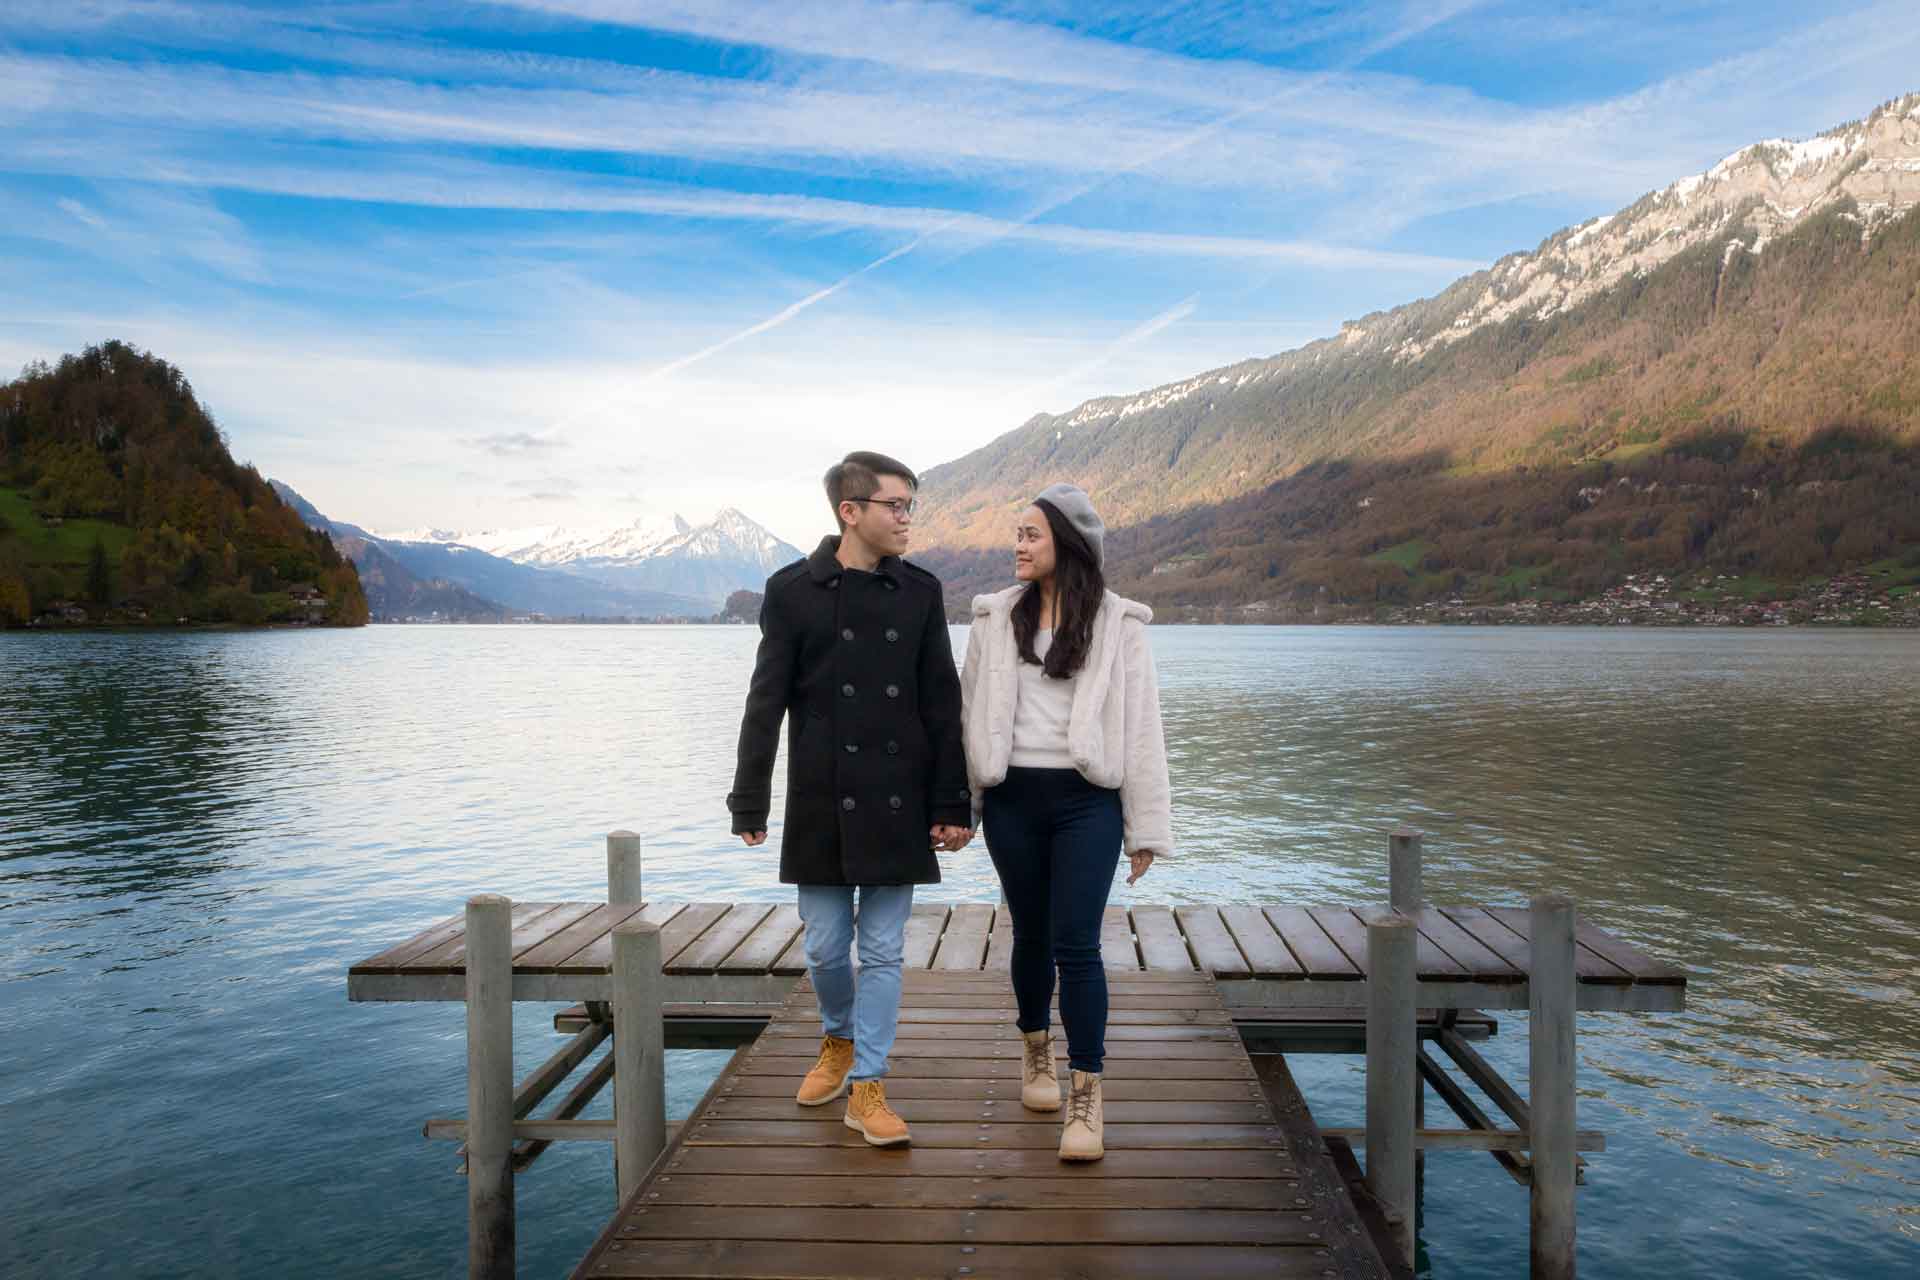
[(1214, 1164), (1200, 1178)]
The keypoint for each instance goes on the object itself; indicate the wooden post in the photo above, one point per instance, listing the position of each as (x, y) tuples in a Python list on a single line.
[(1550, 1080), (623, 869), (1392, 1072), (1405, 891), (489, 1088), (639, 1048)]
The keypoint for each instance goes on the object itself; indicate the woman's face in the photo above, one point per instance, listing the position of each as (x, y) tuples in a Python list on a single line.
[(1033, 546)]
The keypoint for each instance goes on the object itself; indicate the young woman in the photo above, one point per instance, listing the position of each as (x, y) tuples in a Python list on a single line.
[(1061, 715)]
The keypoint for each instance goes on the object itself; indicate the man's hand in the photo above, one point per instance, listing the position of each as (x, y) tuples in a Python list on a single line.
[(752, 838), (1140, 862), (951, 839)]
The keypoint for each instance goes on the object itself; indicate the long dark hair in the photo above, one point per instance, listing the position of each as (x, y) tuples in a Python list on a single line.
[(1078, 588)]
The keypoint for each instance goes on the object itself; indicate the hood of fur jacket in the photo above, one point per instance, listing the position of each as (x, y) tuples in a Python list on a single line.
[(1114, 732)]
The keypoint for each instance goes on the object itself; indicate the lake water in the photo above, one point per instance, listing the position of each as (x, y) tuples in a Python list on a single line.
[(200, 832)]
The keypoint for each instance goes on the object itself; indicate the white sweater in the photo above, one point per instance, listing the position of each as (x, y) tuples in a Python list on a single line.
[(1042, 712), (1114, 734)]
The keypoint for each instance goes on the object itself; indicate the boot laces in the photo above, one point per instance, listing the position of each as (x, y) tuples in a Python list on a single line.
[(830, 1054), (1080, 1105), (1039, 1057), (873, 1099)]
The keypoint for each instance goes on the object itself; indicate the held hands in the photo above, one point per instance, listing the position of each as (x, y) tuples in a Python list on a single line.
[(950, 839), (1142, 861)]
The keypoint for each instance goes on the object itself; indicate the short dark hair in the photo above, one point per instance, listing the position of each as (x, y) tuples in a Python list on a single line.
[(858, 476)]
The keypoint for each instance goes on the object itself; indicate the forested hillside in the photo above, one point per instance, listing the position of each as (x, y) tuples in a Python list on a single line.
[(119, 502)]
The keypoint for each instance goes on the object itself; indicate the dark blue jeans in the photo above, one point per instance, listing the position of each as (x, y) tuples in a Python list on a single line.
[(1055, 840)]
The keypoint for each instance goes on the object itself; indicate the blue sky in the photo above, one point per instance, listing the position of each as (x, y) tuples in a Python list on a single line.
[(587, 261)]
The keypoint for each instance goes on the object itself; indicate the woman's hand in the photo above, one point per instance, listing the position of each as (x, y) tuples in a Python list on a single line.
[(1142, 861)]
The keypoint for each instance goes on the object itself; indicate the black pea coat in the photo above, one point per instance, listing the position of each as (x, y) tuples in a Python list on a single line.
[(861, 667)]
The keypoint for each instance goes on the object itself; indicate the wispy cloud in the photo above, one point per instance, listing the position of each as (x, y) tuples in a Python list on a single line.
[(515, 444)]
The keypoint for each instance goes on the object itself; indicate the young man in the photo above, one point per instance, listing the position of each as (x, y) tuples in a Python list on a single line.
[(854, 653)]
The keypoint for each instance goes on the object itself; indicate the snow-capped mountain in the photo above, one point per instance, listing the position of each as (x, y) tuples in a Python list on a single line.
[(1870, 169), (707, 562), (1407, 381)]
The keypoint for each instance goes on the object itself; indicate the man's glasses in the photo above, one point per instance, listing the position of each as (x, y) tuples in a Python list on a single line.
[(902, 508)]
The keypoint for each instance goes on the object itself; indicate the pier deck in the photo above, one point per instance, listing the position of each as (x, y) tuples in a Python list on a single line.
[(1261, 956), (1207, 1172)]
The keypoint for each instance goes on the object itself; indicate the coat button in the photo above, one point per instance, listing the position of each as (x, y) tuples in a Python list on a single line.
[(893, 802), (846, 633), (846, 691), (893, 691), (846, 802), (893, 748), (965, 794), (892, 635), (853, 748)]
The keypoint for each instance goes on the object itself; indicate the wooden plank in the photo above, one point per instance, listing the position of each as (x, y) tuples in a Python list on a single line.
[(1267, 956), (1117, 952), (1162, 949), (763, 946), (793, 961), (393, 958), (547, 956), (908, 1088), (1000, 941), (1641, 966), (1346, 931), (1430, 962), (891, 1226), (451, 955), (1588, 964), (1004, 1111), (804, 1049), (1214, 949), (706, 1131), (1318, 956), (683, 924), (1224, 1068), (837, 1260), (706, 953), (921, 1036), (1116, 1018), (1480, 960), (1266, 1194), (920, 1161), (1491, 934), (924, 927), (964, 944)]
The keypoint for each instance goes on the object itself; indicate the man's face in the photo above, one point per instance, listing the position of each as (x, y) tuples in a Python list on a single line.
[(875, 522)]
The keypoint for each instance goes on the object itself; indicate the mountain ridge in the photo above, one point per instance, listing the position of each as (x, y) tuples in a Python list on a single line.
[(1237, 428)]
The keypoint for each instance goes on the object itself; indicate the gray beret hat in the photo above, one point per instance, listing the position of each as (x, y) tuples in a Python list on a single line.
[(1077, 507)]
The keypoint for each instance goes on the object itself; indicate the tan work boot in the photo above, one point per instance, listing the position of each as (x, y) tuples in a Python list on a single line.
[(828, 1078), (868, 1112), (1039, 1080), (1083, 1138)]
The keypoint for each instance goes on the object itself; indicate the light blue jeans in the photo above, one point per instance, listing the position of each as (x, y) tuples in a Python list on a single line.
[(868, 1012)]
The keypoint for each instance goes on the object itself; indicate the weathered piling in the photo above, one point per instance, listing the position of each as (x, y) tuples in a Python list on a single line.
[(639, 1049), (1404, 852), (623, 869), (1406, 893), (1392, 1072), (490, 1225), (1550, 1082)]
